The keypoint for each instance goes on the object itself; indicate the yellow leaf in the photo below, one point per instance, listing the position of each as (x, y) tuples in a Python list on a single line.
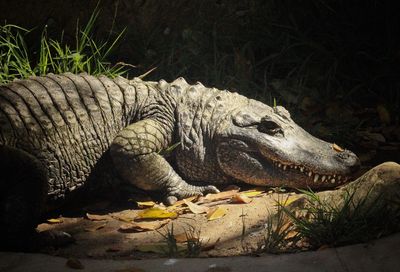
[(156, 213), (145, 204), (216, 213), (289, 200), (143, 226), (252, 193), (196, 209), (54, 220)]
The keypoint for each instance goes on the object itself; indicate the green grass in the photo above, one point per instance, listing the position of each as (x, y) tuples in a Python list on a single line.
[(55, 56), (332, 224)]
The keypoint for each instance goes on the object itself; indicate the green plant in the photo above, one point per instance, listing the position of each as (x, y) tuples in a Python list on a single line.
[(170, 240), (277, 231), (55, 56), (339, 224), (193, 242)]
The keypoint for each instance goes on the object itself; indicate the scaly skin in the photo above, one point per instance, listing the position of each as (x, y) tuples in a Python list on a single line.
[(70, 129)]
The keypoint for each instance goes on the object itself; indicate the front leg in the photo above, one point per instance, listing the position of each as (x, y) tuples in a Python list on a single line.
[(135, 154)]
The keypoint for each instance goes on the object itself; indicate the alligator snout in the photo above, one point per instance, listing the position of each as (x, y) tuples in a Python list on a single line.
[(349, 160)]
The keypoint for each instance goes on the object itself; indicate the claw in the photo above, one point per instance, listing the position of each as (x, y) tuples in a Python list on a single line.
[(210, 190), (170, 200)]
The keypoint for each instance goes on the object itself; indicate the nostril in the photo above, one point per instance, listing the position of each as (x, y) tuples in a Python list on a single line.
[(349, 159)]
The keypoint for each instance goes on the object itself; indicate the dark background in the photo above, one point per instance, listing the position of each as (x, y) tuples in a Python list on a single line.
[(333, 64)]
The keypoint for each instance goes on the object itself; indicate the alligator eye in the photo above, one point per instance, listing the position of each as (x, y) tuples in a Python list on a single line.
[(269, 127)]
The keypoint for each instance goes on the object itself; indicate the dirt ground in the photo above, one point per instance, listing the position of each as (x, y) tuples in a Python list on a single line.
[(103, 231), (230, 223)]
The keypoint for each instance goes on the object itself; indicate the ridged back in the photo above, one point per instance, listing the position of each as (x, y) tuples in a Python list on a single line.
[(67, 121)]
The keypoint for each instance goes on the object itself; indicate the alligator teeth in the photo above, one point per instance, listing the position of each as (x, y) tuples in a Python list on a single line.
[(284, 167), (316, 177), (333, 180), (323, 178), (310, 174), (301, 169), (334, 175), (279, 165), (339, 177)]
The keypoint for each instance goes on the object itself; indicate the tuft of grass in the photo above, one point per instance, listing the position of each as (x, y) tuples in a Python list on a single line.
[(170, 240), (335, 225), (193, 242), (277, 232), (55, 56)]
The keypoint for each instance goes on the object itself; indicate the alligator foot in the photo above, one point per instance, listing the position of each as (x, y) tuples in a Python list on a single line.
[(177, 193)]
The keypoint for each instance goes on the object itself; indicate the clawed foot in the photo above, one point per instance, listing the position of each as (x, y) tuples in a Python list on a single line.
[(175, 195)]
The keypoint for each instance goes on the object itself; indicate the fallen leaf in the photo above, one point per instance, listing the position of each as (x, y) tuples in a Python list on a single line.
[(181, 237), (182, 201), (241, 198), (54, 220), (287, 201), (125, 216), (74, 263), (143, 226), (337, 148), (156, 213), (97, 217), (196, 209), (216, 213), (220, 196), (145, 204), (252, 193), (95, 227)]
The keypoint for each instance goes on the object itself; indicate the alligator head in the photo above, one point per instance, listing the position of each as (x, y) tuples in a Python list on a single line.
[(263, 146)]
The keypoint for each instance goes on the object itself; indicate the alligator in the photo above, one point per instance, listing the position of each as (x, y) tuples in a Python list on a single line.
[(58, 132)]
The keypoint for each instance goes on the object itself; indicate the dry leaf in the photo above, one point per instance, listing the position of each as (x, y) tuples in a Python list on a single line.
[(156, 213), (54, 220), (196, 209), (143, 226), (74, 263), (216, 213), (181, 237), (182, 201), (145, 204), (220, 196), (241, 198), (252, 193), (125, 216), (289, 200), (95, 227), (97, 217)]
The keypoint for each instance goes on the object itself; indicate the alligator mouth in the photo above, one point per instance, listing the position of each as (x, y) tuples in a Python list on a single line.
[(311, 176)]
